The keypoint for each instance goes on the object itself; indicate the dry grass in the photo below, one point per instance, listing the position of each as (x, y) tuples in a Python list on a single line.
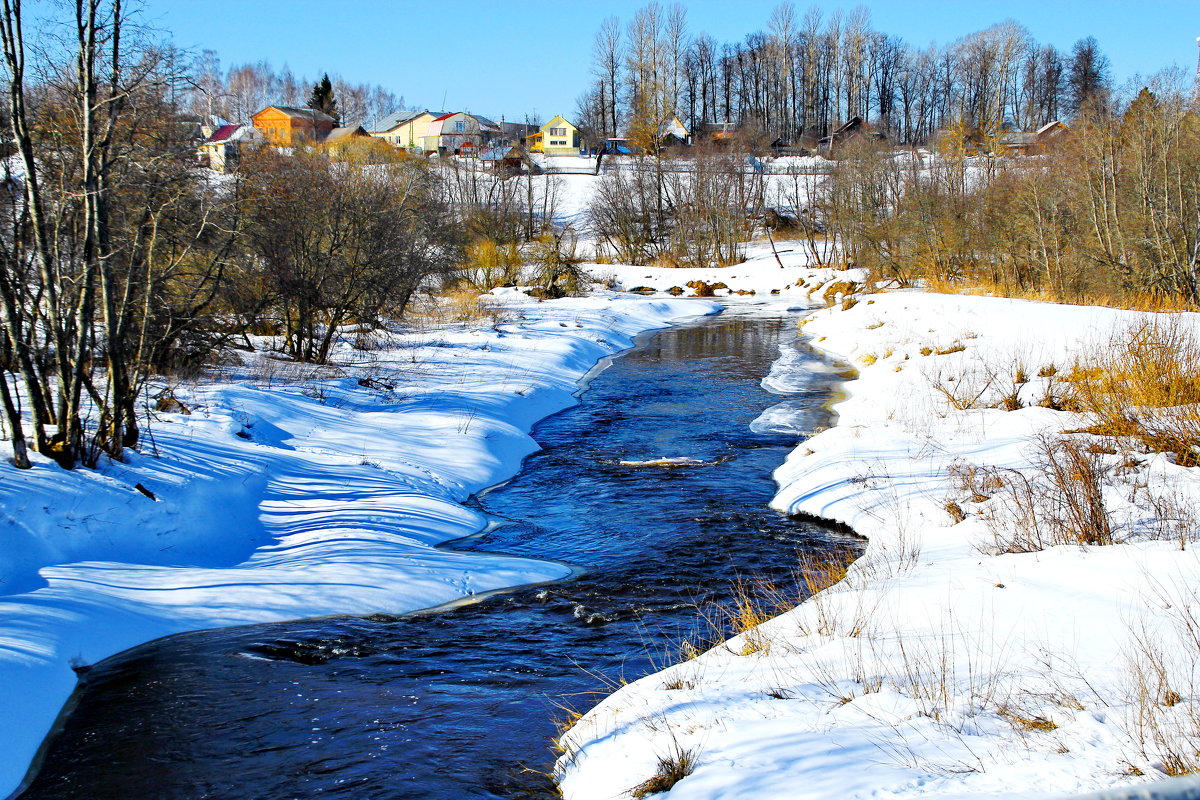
[(1174, 515), (758, 600), (839, 288), (1144, 384), (702, 289), (1133, 301), (982, 384), (672, 768), (489, 264), (1058, 502), (459, 304), (1164, 692), (1021, 719)]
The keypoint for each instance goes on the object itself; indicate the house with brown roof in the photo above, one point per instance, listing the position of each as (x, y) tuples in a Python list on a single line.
[(1028, 143), (856, 129), (288, 126), (339, 137)]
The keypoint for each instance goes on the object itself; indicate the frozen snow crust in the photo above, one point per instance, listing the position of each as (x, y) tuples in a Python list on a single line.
[(280, 498), (936, 667)]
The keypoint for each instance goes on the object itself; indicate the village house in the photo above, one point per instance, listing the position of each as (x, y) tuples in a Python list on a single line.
[(672, 134), (1028, 143), (339, 138), (718, 132), (855, 130), (458, 133), (222, 150), (556, 138), (288, 126), (502, 158), (405, 128), (512, 134)]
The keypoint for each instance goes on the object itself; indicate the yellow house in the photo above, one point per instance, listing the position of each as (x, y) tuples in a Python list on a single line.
[(556, 138), (405, 128)]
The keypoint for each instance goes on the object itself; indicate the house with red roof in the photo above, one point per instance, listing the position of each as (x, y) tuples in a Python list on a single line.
[(223, 149), (452, 133)]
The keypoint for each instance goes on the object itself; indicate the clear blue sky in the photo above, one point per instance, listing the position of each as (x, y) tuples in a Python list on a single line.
[(500, 58)]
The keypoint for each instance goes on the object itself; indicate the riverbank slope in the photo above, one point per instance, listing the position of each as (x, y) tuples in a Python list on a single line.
[(970, 651)]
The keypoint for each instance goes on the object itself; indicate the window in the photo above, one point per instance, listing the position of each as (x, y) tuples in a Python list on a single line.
[(459, 127), (558, 131)]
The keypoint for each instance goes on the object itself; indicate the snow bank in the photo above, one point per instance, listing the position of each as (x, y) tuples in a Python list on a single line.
[(938, 666), (796, 284), (288, 494)]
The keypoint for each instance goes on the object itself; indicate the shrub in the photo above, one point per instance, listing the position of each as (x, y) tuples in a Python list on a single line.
[(1145, 384), (490, 264), (1060, 501)]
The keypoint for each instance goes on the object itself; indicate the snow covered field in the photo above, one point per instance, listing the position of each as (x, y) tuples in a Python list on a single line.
[(947, 662), (290, 492)]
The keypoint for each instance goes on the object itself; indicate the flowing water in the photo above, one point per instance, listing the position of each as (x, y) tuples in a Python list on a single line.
[(461, 702)]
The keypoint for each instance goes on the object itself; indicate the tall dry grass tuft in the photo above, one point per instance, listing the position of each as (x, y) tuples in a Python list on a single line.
[(1145, 385), (1163, 664), (1058, 502), (458, 304), (673, 767)]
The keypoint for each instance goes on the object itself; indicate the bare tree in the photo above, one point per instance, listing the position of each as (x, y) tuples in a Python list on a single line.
[(607, 66)]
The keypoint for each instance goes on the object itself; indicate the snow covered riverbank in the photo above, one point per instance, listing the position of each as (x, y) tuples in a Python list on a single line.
[(289, 493), (954, 659)]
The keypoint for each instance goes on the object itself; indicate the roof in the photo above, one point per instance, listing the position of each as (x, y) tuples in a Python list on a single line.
[(221, 134), (561, 119), (231, 132), (395, 120), (852, 124), (1018, 139), (301, 113), (484, 121), (1051, 125), (499, 154), (673, 126), (445, 116), (347, 132)]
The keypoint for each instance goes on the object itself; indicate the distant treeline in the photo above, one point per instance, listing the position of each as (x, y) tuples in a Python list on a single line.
[(807, 73), (244, 89)]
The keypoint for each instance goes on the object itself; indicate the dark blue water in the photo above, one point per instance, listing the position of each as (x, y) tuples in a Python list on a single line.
[(462, 703)]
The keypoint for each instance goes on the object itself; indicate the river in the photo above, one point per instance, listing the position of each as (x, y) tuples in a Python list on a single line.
[(462, 701)]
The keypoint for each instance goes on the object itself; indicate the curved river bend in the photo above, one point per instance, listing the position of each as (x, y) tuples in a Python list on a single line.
[(461, 702)]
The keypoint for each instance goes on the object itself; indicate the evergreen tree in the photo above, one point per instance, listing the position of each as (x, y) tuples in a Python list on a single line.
[(322, 98), (1089, 78)]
